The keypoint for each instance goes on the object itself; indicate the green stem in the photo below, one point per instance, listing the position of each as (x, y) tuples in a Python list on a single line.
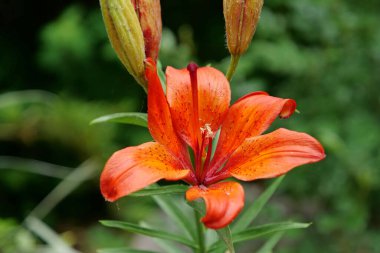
[(232, 67), (200, 233)]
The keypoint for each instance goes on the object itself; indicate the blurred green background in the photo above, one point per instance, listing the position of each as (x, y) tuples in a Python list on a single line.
[(58, 72)]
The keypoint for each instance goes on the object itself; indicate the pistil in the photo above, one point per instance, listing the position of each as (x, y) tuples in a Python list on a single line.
[(192, 68)]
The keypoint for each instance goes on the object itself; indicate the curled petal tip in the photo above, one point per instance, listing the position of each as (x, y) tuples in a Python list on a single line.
[(288, 109), (108, 191)]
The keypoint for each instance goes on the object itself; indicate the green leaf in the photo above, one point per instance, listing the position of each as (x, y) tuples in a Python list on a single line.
[(225, 236), (124, 250), (167, 246), (255, 232), (251, 211), (161, 75), (15, 98), (133, 228), (159, 190), (132, 118), (176, 213), (269, 245)]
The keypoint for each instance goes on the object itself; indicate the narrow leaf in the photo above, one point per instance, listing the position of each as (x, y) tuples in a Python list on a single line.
[(133, 228), (252, 210), (14, 98), (175, 212), (124, 250), (255, 232), (165, 245), (269, 245), (159, 190), (225, 236), (132, 118), (161, 75), (48, 235)]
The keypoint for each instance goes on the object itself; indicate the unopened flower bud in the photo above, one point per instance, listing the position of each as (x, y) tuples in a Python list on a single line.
[(125, 34), (241, 17), (149, 15)]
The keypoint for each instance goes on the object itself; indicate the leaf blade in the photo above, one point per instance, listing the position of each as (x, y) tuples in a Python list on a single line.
[(254, 232), (160, 190), (130, 227), (175, 213), (124, 250), (271, 243), (259, 231), (250, 213), (226, 236), (165, 245), (131, 118)]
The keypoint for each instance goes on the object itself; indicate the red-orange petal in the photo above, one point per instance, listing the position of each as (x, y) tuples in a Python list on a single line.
[(249, 116), (224, 202), (214, 96), (133, 168), (273, 154), (159, 118)]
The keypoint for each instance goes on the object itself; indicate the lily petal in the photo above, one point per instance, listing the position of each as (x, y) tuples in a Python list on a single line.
[(250, 116), (224, 202), (133, 168), (214, 97), (273, 154), (159, 117)]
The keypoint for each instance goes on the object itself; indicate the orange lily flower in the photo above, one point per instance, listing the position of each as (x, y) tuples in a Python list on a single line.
[(195, 107)]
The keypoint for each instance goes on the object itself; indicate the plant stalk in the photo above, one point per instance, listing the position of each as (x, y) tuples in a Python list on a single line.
[(232, 67), (200, 233)]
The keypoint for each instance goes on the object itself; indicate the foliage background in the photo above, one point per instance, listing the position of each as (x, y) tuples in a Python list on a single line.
[(58, 72)]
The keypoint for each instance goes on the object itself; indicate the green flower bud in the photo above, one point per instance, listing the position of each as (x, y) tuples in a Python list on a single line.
[(126, 36), (241, 17)]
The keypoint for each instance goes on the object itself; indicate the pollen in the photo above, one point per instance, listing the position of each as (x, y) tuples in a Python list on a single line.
[(206, 129)]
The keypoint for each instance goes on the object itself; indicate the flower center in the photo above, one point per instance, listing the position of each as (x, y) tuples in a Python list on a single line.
[(205, 151)]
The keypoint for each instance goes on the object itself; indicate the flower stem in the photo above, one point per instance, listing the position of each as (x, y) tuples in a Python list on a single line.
[(200, 232), (232, 67)]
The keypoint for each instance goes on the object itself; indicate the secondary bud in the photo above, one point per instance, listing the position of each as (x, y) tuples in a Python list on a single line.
[(125, 34), (149, 15), (241, 17)]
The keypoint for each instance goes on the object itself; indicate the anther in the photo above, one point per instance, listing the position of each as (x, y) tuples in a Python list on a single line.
[(207, 130)]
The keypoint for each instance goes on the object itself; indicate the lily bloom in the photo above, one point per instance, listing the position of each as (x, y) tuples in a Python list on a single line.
[(186, 119)]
